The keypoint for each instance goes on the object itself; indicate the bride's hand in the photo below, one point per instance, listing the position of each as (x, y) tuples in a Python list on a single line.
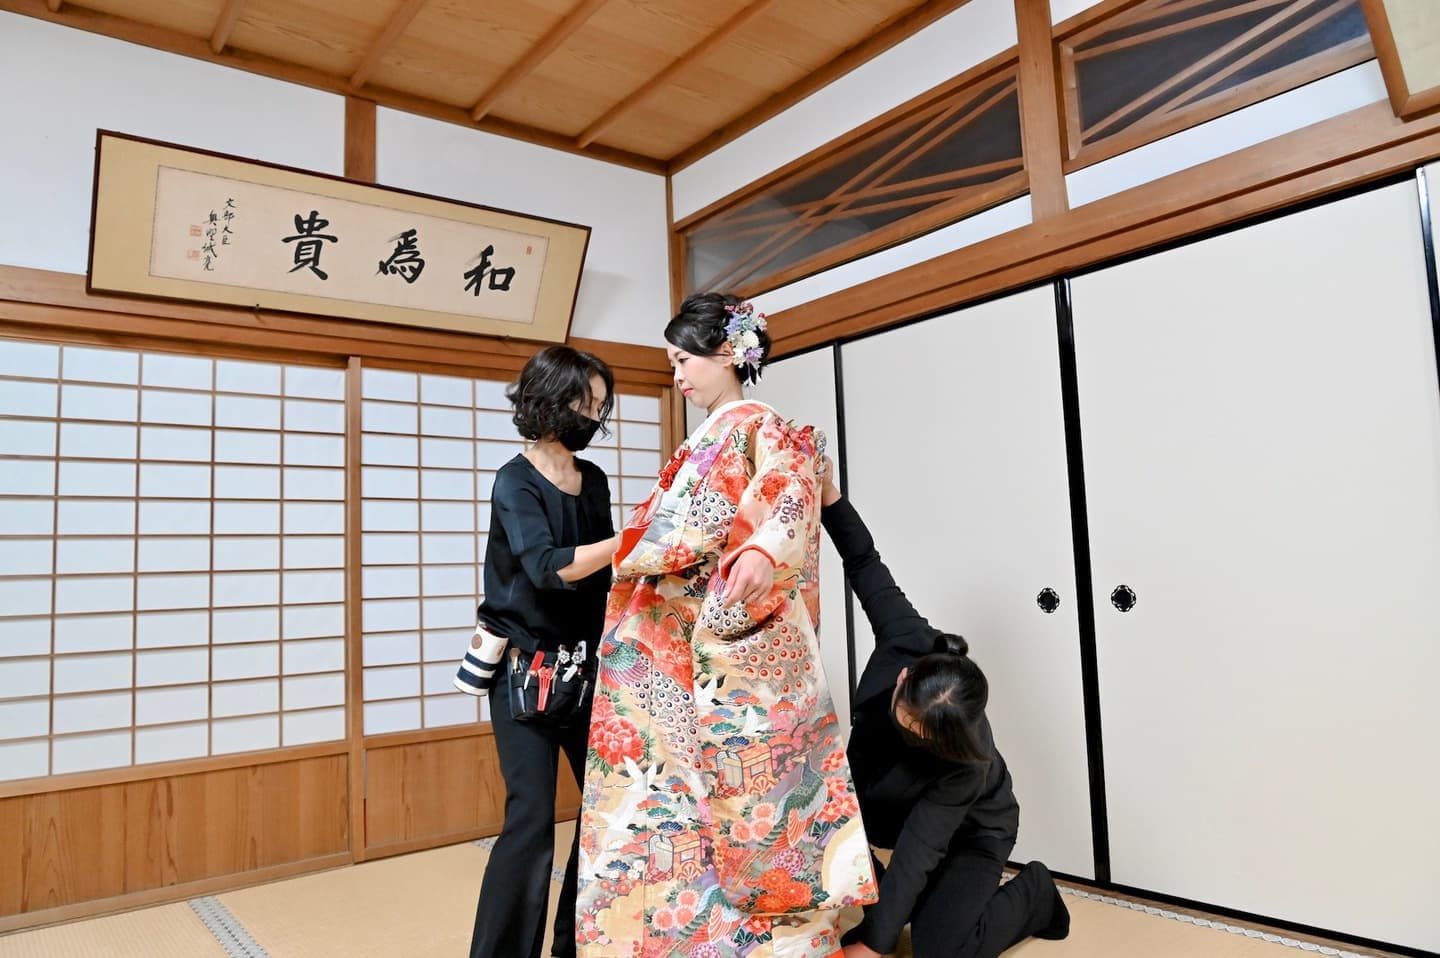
[(751, 577)]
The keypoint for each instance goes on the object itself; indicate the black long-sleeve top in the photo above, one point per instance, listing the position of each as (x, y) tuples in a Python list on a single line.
[(910, 801), (534, 529)]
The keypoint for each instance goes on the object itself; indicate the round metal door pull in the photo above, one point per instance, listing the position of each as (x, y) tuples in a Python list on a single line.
[(1048, 600), (1123, 598)]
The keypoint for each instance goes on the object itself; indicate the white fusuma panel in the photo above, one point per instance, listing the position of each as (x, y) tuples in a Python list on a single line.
[(957, 462), (1262, 453)]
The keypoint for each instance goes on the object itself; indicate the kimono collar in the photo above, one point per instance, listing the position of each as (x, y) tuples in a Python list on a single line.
[(714, 417)]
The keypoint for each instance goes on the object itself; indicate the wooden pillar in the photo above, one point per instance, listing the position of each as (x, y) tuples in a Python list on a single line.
[(1040, 109), (360, 139)]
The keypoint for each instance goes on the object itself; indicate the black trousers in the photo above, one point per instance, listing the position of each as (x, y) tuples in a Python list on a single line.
[(515, 895), (964, 911)]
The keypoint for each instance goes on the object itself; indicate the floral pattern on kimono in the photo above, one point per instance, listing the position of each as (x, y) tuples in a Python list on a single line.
[(719, 815)]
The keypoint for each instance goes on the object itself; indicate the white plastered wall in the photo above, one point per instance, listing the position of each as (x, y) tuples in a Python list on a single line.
[(75, 83), (625, 290)]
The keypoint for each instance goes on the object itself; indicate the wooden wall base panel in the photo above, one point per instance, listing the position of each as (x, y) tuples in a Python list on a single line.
[(1352, 149), (431, 790), (42, 298), (423, 794), (86, 845)]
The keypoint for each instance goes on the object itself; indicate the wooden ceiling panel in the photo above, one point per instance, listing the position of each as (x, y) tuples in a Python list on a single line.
[(329, 37), (621, 49), (773, 50), (841, 23), (455, 49), (647, 82), (193, 17), (553, 103), (777, 49), (672, 26), (699, 101), (652, 133)]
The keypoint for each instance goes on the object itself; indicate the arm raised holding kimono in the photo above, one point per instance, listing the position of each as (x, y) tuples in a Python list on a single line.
[(776, 523), (902, 634)]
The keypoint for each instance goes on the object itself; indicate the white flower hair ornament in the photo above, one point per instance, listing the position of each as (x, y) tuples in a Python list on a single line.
[(742, 331)]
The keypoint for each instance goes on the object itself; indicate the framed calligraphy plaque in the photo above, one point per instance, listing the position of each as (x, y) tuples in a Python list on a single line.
[(177, 223)]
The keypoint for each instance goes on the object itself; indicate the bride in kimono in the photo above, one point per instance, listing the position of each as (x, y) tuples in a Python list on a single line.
[(719, 816)]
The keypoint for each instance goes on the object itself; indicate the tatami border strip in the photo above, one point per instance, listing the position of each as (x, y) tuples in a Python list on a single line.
[(1307, 946), (227, 928)]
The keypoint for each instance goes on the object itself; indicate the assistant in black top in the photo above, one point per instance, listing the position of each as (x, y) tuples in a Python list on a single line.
[(534, 529), (951, 825), (541, 535)]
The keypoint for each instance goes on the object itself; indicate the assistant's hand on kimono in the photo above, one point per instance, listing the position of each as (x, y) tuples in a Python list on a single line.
[(751, 577), (829, 492)]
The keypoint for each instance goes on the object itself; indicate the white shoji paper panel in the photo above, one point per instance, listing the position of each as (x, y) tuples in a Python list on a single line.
[(419, 514), (171, 743), (430, 449), (634, 454), (247, 734), (314, 725), (255, 697), (147, 599)]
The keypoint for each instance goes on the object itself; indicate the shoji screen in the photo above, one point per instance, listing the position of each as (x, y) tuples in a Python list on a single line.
[(148, 610), (631, 454), (429, 452), (430, 449)]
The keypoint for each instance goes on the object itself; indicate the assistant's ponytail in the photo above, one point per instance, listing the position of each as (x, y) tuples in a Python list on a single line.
[(948, 643), (945, 692)]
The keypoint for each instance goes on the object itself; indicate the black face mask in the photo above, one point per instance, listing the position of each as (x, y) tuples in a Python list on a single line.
[(578, 434)]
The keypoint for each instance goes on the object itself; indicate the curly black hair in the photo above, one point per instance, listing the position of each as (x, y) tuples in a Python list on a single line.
[(551, 381), (699, 329)]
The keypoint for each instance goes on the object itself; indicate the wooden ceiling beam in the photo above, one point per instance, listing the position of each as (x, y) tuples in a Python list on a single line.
[(397, 24), (183, 44), (533, 57), (223, 26), (660, 80)]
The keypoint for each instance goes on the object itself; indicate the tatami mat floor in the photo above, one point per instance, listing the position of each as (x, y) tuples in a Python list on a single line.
[(422, 905)]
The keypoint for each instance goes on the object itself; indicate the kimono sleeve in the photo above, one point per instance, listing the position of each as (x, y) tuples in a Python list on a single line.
[(778, 514)]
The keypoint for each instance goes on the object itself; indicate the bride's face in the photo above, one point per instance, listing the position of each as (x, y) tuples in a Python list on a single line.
[(703, 379)]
